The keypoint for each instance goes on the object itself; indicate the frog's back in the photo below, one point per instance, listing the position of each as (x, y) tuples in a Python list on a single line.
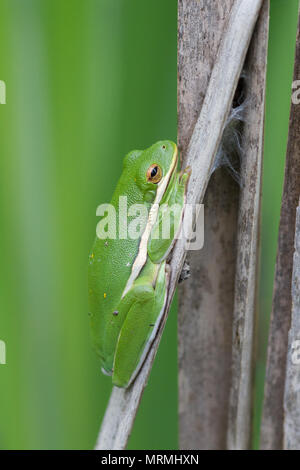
[(110, 264)]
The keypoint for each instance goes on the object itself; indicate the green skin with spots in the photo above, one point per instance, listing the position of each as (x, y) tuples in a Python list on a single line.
[(124, 324)]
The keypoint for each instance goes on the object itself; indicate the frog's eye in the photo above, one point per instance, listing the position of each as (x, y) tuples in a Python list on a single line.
[(154, 173)]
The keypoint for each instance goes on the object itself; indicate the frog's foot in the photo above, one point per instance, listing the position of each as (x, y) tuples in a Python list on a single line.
[(185, 174)]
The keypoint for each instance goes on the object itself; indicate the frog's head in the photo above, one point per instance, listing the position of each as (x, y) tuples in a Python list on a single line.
[(152, 169)]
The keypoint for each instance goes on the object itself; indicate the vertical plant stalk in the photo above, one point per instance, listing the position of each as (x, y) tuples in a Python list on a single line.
[(204, 143), (206, 302), (273, 415), (292, 382), (240, 410), (206, 299)]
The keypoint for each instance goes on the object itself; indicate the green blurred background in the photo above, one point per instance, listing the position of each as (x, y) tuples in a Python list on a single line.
[(87, 81)]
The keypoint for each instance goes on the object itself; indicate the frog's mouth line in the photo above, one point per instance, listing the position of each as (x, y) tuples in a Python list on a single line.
[(141, 257)]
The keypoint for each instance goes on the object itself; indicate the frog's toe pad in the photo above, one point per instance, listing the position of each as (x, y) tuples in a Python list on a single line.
[(185, 174)]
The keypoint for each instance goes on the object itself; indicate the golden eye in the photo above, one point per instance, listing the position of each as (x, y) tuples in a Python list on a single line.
[(154, 173)]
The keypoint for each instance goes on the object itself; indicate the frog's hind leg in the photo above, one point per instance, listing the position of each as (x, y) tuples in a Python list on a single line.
[(139, 330), (161, 293), (114, 324)]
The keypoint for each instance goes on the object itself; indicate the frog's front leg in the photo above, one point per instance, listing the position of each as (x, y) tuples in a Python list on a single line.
[(168, 224), (139, 328)]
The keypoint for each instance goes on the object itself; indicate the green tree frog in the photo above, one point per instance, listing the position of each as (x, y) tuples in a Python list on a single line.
[(128, 276)]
